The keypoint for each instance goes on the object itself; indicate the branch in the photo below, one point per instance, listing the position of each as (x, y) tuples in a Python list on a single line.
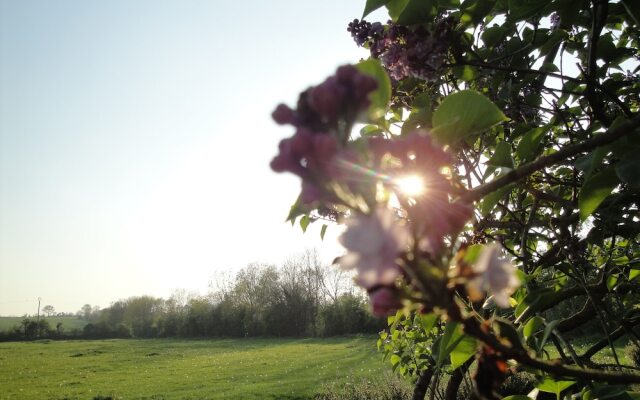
[(616, 334), (420, 390), (583, 316), (451, 392), (611, 135), (473, 328), (511, 69), (599, 16)]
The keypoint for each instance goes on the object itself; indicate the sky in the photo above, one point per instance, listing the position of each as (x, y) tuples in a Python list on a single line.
[(135, 138)]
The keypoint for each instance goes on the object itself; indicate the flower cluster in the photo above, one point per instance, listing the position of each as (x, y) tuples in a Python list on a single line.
[(405, 52), (374, 242), (493, 274), (340, 97), (320, 113), (432, 214), (384, 243), (363, 31)]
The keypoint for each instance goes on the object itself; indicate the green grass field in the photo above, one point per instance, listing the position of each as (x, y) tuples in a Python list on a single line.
[(183, 369), (68, 323)]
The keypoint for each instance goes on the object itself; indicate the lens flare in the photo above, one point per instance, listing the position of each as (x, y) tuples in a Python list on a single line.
[(411, 185)]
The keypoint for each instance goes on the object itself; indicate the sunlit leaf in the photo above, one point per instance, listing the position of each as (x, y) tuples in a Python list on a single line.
[(381, 97), (552, 386), (533, 326), (628, 169), (462, 114), (410, 12), (304, 222), (464, 350), (529, 144), (323, 231), (373, 5), (501, 156), (595, 190)]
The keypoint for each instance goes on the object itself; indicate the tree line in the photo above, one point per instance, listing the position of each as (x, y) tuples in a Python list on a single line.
[(303, 297)]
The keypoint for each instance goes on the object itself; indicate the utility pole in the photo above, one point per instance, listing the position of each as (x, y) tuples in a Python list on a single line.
[(38, 318)]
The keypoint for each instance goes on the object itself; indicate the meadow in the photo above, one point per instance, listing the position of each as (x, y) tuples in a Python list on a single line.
[(156, 369)]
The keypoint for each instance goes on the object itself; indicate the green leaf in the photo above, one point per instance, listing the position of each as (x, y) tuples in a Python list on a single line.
[(304, 222), (533, 301), (628, 168), (523, 9), (595, 190), (395, 8), (493, 198), (371, 130), (633, 274), (463, 351), (502, 156), (592, 161), (323, 231), (449, 340), (547, 332), (608, 392), (506, 330), (517, 397), (633, 9), (466, 73), (534, 325), (395, 359), (555, 38), (428, 321), (381, 97), (373, 5), (420, 118), (494, 35), (529, 144), (462, 114), (411, 12), (472, 253), (448, 4), (552, 386), (474, 11), (297, 209)]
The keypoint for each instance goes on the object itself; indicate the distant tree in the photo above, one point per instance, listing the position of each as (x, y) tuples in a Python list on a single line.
[(43, 329), (49, 310), (59, 328), (142, 314), (85, 312)]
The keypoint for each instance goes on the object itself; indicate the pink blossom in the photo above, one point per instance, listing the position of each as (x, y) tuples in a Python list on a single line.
[(494, 274), (373, 243), (384, 301)]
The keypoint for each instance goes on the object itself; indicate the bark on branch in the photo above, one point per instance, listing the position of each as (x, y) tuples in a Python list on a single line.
[(610, 136)]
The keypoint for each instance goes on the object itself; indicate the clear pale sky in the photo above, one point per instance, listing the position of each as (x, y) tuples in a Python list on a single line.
[(135, 138)]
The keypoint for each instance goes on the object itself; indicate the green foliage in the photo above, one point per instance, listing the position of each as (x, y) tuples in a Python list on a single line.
[(548, 157)]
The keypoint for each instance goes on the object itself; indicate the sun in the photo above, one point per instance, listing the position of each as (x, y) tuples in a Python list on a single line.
[(411, 185)]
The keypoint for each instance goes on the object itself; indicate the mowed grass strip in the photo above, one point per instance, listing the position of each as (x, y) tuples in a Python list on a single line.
[(183, 369)]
